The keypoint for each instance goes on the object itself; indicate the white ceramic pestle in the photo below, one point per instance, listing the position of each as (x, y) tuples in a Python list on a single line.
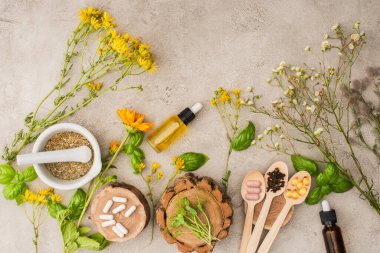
[(80, 154)]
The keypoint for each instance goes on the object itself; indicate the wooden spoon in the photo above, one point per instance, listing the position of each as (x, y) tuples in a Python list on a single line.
[(290, 201), (257, 231), (250, 177)]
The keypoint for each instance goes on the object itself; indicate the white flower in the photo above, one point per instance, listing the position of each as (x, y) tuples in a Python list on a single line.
[(250, 102), (260, 137), (340, 54), (325, 44), (335, 27), (310, 108), (298, 69), (253, 143), (356, 25), (351, 46), (307, 48), (326, 36), (249, 89), (319, 131), (274, 102), (291, 87), (316, 100), (295, 101), (282, 105), (282, 63), (312, 78), (269, 80), (317, 93), (317, 75), (355, 37), (282, 136), (277, 127), (293, 68), (304, 103), (242, 102), (299, 74)]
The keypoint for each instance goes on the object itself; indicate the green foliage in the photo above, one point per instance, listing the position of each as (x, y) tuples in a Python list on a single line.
[(7, 173), (14, 181), (29, 174), (244, 139), (301, 163), (193, 161), (77, 203)]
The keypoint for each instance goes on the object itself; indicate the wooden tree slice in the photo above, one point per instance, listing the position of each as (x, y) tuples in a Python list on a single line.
[(134, 223), (275, 209), (217, 207)]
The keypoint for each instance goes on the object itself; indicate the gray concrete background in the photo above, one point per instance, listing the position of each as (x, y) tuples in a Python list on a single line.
[(199, 45)]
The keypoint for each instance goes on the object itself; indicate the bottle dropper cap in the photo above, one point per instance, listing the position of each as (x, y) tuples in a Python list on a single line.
[(327, 215), (188, 114)]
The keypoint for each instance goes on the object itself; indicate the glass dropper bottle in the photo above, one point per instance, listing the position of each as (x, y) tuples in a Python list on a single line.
[(173, 128)]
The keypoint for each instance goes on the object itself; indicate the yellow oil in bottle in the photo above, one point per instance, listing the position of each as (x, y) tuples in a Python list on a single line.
[(173, 128)]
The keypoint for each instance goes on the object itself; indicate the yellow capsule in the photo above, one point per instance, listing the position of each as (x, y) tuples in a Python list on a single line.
[(289, 193), (299, 185), (294, 181), (302, 191), (306, 181), (295, 195)]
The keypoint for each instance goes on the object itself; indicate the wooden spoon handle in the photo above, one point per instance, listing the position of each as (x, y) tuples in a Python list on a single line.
[(259, 226), (247, 227), (269, 238)]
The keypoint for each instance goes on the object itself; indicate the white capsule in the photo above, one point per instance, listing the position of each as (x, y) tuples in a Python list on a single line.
[(118, 209), (117, 231), (122, 228), (130, 211), (107, 206), (108, 223), (119, 199), (106, 217)]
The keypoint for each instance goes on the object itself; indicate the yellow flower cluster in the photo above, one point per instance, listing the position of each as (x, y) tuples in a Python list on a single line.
[(126, 46), (41, 197), (94, 86), (179, 163), (224, 96), (155, 167), (114, 147)]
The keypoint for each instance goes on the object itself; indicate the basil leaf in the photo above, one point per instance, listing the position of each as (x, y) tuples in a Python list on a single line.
[(77, 203), (331, 173), (341, 184), (301, 163), (63, 215), (136, 139), (108, 179), (69, 233), (326, 189), (13, 190), (54, 208), (128, 149), (193, 161), (7, 173), (135, 161), (87, 243), (83, 230), (314, 196), (244, 139), (139, 153), (19, 178), (100, 239), (29, 174), (321, 179)]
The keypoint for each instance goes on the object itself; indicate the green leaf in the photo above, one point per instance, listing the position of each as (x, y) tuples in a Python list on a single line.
[(63, 215), (84, 230), (331, 173), (128, 149), (7, 173), (77, 203), (244, 139), (341, 184), (138, 153), (301, 163), (321, 179), (136, 139), (108, 179), (54, 208), (13, 190), (325, 190), (193, 161), (135, 161), (100, 239), (85, 242), (19, 178), (314, 196), (29, 174), (69, 233)]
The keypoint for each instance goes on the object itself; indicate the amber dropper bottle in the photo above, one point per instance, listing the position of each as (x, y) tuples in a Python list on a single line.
[(173, 128), (332, 234)]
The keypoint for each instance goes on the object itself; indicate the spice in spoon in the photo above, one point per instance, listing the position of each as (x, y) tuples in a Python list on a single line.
[(275, 180), (67, 170)]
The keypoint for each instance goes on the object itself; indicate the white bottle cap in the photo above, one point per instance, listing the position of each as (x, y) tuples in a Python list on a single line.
[(325, 206), (196, 108)]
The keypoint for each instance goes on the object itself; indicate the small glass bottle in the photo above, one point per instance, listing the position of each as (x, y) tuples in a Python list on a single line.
[(332, 234), (173, 128)]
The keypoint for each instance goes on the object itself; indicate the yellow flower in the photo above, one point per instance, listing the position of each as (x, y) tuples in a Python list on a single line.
[(56, 198), (26, 197), (148, 178), (236, 92), (114, 146), (213, 102), (106, 20), (155, 166), (225, 97), (160, 174), (86, 15), (180, 163), (134, 120), (40, 199), (140, 167), (101, 50), (94, 86), (152, 68), (45, 192), (95, 23)]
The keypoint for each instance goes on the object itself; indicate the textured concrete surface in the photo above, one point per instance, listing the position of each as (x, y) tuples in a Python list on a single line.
[(200, 45)]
